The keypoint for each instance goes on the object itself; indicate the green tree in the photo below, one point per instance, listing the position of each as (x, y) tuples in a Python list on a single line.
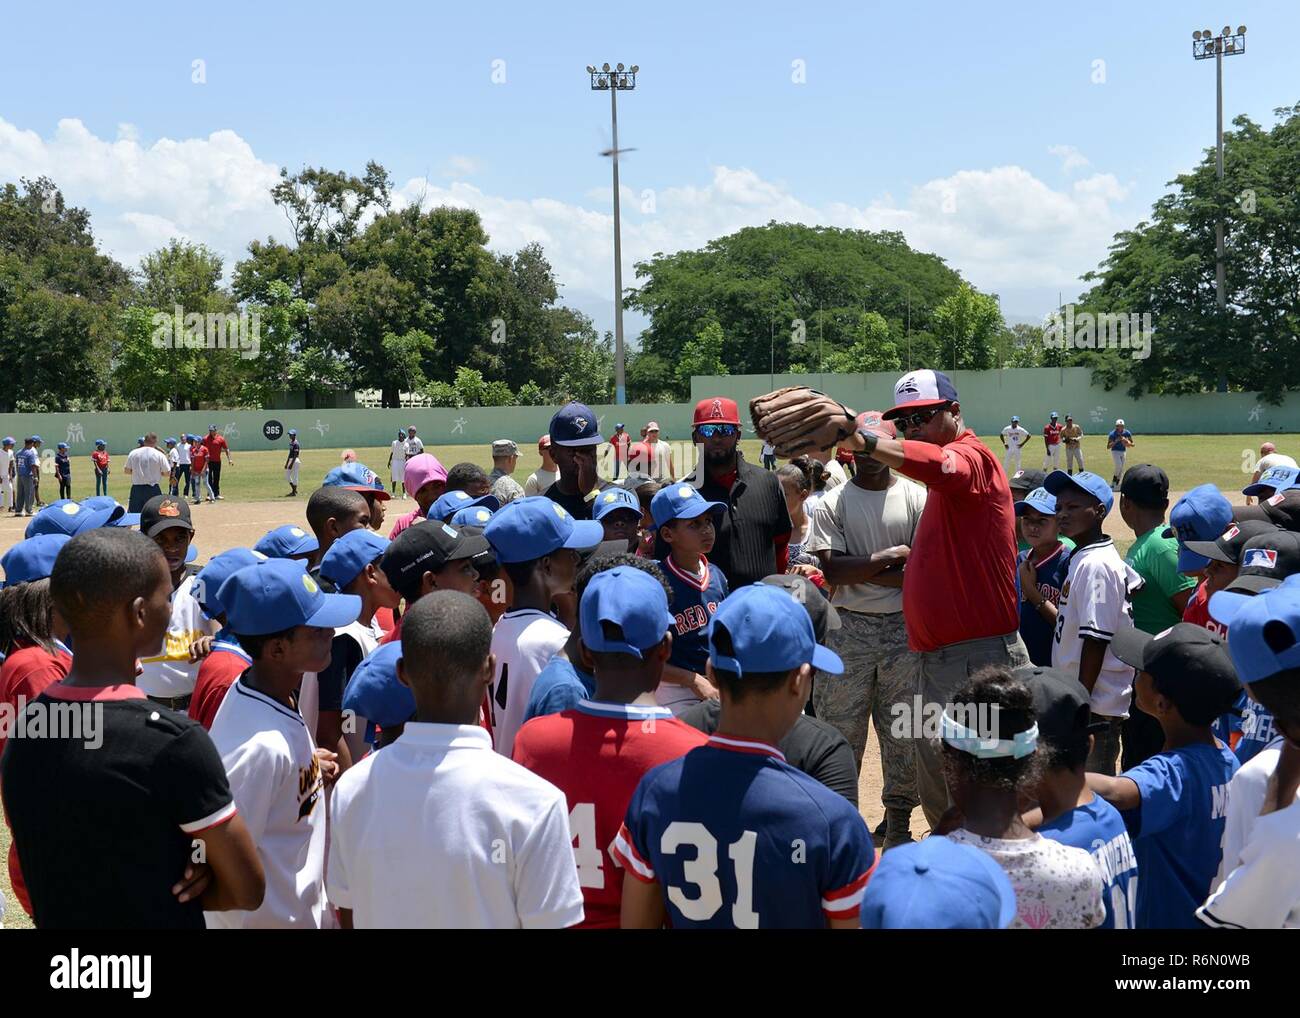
[(966, 325), (702, 355)]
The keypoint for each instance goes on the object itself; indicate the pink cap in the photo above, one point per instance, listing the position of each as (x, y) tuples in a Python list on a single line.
[(422, 469), (652, 426)]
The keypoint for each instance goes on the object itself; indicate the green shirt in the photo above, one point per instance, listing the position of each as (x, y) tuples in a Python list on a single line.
[(1155, 559)]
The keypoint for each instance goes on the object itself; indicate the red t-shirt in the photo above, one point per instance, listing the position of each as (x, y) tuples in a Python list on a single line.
[(597, 754), (404, 521), (215, 445), (26, 672), (217, 673), (1052, 434), (960, 580), (198, 459), (620, 442), (1197, 612), (100, 459)]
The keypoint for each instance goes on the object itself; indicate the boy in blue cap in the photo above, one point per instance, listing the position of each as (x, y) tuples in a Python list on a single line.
[(285, 623), (376, 697), (537, 542), (451, 502), (731, 836), (1040, 573), (63, 470), (1175, 803), (99, 461), (685, 521), (618, 511), (227, 659), (1093, 607), (289, 541), (938, 884)]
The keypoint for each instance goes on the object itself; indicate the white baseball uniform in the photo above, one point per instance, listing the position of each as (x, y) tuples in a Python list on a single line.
[(1016, 437), (398, 472), (6, 485)]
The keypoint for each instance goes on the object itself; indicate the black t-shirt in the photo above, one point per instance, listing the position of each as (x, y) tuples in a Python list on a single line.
[(345, 655), (813, 746), (579, 506), (103, 833)]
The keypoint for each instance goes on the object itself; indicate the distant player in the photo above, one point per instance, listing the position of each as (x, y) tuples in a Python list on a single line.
[(1014, 439), (1119, 442), (99, 460), (1052, 442), (7, 474), (1269, 458), (397, 462), (414, 445), (292, 463), (1072, 435)]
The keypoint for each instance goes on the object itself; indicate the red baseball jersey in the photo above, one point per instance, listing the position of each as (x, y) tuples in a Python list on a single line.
[(597, 754), (226, 663)]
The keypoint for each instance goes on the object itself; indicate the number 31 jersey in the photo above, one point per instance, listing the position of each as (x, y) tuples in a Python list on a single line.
[(739, 839)]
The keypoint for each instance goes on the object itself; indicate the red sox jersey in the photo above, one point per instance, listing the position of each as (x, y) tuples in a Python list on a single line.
[(695, 599), (596, 754)]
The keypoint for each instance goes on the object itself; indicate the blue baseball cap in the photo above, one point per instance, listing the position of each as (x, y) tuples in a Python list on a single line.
[(681, 502), (631, 599), (1273, 480), (471, 516), (278, 594), (374, 691), (285, 542), (100, 441), (938, 884), (1085, 480), (191, 553), (140, 440), (766, 636), (32, 559), (452, 501), (533, 526), (37, 438), (62, 445), (1015, 419), (611, 499), (9, 440), (170, 441), (574, 424), (293, 432), (118, 517), (68, 517), (1254, 656), (358, 477), (350, 554), (1200, 515), (221, 567), (920, 390), (1040, 499), (212, 427)]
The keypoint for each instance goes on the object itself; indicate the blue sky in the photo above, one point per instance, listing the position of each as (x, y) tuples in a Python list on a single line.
[(984, 137)]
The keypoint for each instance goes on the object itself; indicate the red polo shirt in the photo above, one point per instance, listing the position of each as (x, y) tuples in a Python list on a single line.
[(216, 445), (960, 580)]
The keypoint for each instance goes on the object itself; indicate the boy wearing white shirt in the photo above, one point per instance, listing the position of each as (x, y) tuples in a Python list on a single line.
[(1014, 438)]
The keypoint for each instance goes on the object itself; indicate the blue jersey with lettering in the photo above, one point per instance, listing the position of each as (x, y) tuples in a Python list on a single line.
[(1177, 831), (1035, 630), (739, 839), (1099, 829), (1257, 729), (695, 599)]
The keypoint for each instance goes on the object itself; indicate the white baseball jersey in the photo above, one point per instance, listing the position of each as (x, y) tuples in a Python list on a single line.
[(174, 456), (438, 831), (399, 459), (1246, 794), (1095, 603), (270, 759), (172, 673), (414, 446), (6, 458), (1015, 436), (524, 642), (148, 465)]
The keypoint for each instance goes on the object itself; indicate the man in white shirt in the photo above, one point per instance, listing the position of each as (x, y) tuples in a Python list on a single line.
[(1014, 439), (1269, 458), (545, 475), (146, 465), (436, 830), (397, 462), (414, 446), (7, 474), (659, 455)]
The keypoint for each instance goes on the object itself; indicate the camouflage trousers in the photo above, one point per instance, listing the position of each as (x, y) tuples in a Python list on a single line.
[(879, 671)]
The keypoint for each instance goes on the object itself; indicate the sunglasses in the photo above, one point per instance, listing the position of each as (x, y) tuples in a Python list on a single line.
[(921, 418), (725, 430)]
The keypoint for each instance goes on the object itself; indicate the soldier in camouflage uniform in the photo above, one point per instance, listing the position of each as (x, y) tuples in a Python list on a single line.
[(505, 457)]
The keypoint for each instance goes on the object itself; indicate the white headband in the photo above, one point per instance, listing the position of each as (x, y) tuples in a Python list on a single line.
[(960, 737)]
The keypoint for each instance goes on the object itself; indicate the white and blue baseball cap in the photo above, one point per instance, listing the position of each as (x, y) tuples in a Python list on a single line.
[(357, 477), (1200, 515), (1085, 480), (1015, 419), (575, 424), (118, 517), (1263, 631), (68, 517), (471, 516), (9, 440), (1273, 480), (920, 390), (766, 636), (450, 502), (32, 559), (286, 542), (532, 527), (1040, 499), (278, 594), (680, 502), (630, 599), (220, 568), (938, 884), (615, 498), (350, 554)]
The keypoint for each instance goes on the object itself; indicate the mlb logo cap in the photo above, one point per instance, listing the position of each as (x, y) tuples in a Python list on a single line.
[(1263, 631), (575, 424), (532, 527), (216, 572), (874, 422), (716, 411), (32, 559), (1282, 508), (286, 542), (938, 884), (1266, 561), (611, 499), (1189, 664), (631, 600), (1086, 481), (765, 635), (918, 390), (681, 502), (1040, 499), (1273, 480), (350, 554), (1200, 515), (278, 594), (1227, 547), (451, 502), (358, 477)]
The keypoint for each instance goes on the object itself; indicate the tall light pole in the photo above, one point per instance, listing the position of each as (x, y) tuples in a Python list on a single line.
[(615, 81), (1206, 46)]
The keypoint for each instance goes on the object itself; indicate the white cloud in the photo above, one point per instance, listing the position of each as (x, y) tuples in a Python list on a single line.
[(460, 166), (1071, 158)]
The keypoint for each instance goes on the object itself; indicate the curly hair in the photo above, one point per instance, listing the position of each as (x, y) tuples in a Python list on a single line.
[(998, 706)]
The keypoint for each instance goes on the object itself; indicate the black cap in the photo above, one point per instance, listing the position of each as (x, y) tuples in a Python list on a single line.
[(1061, 703), (1146, 484), (427, 547), (1266, 561), (162, 512), (1227, 547), (1190, 666), (1282, 508), (825, 618), (1027, 480)]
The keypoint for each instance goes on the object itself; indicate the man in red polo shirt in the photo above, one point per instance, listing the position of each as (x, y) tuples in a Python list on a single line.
[(960, 603)]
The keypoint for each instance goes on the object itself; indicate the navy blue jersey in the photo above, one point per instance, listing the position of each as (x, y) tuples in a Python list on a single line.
[(1098, 829), (739, 839), (1035, 630), (695, 599)]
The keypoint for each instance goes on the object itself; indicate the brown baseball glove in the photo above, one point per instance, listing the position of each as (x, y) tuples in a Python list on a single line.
[(798, 420)]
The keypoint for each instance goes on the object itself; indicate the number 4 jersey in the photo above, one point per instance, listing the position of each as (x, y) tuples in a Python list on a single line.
[(596, 754), (739, 839)]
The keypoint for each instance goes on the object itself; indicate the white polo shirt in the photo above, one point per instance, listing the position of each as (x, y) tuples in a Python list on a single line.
[(148, 465), (270, 759), (172, 673), (437, 831)]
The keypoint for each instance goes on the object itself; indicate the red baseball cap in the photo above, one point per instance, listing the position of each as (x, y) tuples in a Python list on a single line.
[(872, 421), (716, 411)]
